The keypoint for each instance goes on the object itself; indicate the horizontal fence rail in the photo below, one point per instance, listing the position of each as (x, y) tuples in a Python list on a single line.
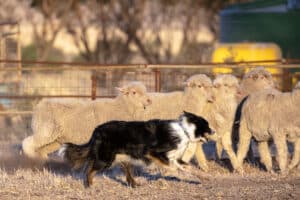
[(22, 87)]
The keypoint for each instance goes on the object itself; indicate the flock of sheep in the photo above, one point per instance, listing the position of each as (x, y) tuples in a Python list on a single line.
[(266, 114)]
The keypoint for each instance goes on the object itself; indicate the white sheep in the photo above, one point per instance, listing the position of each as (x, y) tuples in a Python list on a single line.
[(270, 114), (222, 113), (297, 86), (256, 79), (170, 105), (57, 122), (197, 93), (294, 137)]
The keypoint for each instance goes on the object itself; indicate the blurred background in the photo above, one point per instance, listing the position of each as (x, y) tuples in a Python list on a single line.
[(84, 48)]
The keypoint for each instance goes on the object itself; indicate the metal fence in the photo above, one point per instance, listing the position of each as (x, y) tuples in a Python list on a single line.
[(22, 87)]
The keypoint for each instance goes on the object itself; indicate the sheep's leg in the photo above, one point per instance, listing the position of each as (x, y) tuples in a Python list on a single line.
[(189, 152), (28, 147), (296, 156), (49, 148), (265, 155), (200, 156), (219, 149), (243, 146), (128, 172), (227, 143), (282, 152)]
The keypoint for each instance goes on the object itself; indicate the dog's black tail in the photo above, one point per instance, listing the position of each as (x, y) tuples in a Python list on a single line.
[(75, 155)]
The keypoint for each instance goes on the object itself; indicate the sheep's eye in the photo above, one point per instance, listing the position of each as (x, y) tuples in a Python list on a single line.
[(255, 77), (133, 92), (199, 86)]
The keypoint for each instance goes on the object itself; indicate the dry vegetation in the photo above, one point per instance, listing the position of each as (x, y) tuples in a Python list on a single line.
[(23, 179)]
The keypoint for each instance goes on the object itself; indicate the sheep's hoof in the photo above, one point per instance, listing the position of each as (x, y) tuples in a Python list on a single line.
[(284, 173), (240, 171), (204, 168)]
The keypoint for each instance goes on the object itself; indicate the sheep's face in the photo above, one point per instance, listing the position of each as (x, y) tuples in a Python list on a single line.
[(226, 86), (201, 86), (136, 95), (297, 86), (255, 80)]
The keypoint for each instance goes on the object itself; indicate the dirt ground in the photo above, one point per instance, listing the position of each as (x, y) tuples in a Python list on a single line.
[(24, 179)]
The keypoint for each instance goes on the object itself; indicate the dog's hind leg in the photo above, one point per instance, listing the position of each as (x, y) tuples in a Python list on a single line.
[(90, 172), (296, 156), (127, 168)]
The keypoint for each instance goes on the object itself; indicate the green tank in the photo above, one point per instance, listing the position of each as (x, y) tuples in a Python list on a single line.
[(275, 21)]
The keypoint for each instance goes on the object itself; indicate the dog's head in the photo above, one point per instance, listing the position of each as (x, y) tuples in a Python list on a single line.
[(196, 126)]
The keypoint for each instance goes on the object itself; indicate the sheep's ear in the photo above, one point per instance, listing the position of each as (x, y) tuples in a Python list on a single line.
[(122, 90), (270, 96), (187, 84)]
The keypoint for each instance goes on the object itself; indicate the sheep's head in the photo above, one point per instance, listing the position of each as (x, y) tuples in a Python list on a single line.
[(256, 79), (135, 94), (200, 85), (226, 85)]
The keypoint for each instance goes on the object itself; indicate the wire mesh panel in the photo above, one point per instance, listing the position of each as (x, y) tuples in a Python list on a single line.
[(21, 90)]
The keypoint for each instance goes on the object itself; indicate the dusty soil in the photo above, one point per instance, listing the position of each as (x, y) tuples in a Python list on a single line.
[(24, 179)]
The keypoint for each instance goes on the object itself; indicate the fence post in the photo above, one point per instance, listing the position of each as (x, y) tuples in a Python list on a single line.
[(157, 80), (94, 86), (286, 80)]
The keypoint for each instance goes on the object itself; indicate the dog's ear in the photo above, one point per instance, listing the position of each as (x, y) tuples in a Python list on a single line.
[(185, 112)]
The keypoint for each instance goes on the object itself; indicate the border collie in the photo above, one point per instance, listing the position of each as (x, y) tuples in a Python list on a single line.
[(125, 142)]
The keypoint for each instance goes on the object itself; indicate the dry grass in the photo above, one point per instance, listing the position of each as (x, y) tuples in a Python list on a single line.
[(23, 179)]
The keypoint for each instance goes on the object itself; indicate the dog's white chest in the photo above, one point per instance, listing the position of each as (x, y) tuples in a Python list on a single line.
[(182, 145)]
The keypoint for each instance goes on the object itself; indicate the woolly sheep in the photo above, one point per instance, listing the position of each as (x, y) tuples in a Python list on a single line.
[(256, 79), (56, 122), (220, 114), (297, 86), (197, 93), (270, 114)]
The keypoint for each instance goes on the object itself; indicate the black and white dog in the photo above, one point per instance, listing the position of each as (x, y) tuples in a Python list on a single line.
[(125, 142)]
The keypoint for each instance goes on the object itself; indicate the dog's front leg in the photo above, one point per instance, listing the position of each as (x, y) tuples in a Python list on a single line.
[(189, 171), (127, 168)]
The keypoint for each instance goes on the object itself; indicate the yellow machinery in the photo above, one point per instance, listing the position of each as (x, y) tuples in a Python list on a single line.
[(238, 52)]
